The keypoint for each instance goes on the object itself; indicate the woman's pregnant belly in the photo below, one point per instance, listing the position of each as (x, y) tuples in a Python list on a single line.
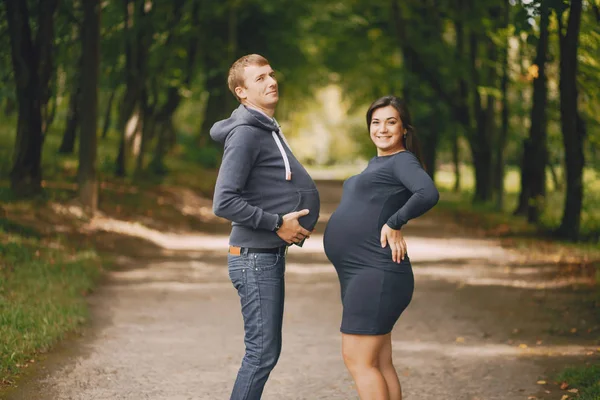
[(353, 239), (350, 233)]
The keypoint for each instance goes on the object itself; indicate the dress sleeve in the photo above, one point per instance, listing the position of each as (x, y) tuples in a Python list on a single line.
[(409, 172)]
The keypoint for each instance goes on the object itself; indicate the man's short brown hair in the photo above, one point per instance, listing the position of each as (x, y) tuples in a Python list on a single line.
[(236, 72)]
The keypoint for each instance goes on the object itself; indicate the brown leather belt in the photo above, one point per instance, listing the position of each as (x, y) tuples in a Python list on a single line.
[(236, 251)]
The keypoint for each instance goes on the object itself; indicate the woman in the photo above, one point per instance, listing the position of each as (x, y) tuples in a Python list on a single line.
[(364, 242)]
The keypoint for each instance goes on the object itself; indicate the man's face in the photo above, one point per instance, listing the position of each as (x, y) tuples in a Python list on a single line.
[(260, 87)]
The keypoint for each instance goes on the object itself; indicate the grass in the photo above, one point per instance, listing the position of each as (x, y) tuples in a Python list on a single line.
[(44, 280), (585, 379), (43, 284), (490, 217)]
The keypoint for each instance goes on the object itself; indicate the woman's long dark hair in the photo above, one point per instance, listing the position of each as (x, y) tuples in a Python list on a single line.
[(410, 140)]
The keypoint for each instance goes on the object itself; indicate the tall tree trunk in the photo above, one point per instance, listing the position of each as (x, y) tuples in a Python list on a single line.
[(526, 154), (44, 44), (539, 151), (136, 49), (148, 117), (90, 35), (503, 134), (108, 113), (67, 145), (456, 161), (26, 174), (162, 125), (556, 182), (573, 129), (130, 98), (480, 142), (463, 113)]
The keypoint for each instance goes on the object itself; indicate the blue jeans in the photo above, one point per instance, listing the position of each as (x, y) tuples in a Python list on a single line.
[(259, 281)]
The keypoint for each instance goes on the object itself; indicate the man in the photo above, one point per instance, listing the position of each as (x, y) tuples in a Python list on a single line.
[(272, 203)]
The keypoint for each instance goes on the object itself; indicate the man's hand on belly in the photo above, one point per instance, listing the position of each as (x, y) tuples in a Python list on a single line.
[(291, 231)]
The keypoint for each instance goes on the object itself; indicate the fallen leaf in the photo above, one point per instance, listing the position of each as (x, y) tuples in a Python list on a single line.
[(573, 330), (539, 342), (565, 397), (564, 386), (531, 398), (523, 346), (460, 339), (541, 382), (573, 390)]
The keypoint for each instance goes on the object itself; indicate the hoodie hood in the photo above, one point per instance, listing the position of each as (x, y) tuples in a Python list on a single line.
[(242, 116)]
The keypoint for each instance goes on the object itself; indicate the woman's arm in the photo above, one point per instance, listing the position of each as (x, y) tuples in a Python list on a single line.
[(408, 171)]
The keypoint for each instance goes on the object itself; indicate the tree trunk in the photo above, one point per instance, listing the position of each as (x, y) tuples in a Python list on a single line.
[(67, 145), (26, 174), (480, 142), (558, 185), (573, 129), (524, 194), (108, 113), (456, 161), (44, 44), (503, 134), (147, 117), (130, 97), (88, 184), (136, 54), (539, 152)]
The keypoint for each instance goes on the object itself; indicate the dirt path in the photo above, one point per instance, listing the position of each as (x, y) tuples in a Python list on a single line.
[(168, 326)]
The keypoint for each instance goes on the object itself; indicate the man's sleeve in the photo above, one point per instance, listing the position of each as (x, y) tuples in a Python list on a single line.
[(409, 172), (241, 152)]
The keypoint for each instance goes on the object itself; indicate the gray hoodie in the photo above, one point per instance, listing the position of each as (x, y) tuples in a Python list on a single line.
[(258, 179)]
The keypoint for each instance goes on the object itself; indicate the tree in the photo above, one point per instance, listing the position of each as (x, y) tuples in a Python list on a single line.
[(32, 65), (538, 155), (573, 127), (90, 41)]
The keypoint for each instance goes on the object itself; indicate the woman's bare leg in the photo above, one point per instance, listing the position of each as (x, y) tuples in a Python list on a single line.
[(386, 366), (361, 356)]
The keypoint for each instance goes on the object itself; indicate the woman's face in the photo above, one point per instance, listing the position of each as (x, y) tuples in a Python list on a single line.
[(387, 131)]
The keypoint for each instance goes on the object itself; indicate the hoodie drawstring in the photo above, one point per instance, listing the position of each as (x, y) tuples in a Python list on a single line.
[(286, 161)]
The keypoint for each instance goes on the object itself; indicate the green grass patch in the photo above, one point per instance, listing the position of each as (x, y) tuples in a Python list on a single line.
[(42, 296), (489, 215), (585, 379)]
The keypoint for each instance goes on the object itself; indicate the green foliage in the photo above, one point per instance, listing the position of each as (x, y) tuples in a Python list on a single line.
[(586, 379)]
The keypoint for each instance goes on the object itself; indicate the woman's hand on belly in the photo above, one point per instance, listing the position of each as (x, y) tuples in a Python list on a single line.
[(395, 240)]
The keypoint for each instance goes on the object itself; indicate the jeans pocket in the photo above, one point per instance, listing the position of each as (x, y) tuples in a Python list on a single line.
[(266, 261), (238, 278)]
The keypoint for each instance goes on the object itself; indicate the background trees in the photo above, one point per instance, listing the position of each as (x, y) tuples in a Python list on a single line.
[(496, 85)]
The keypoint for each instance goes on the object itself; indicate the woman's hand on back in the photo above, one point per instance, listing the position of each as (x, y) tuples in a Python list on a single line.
[(395, 240)]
